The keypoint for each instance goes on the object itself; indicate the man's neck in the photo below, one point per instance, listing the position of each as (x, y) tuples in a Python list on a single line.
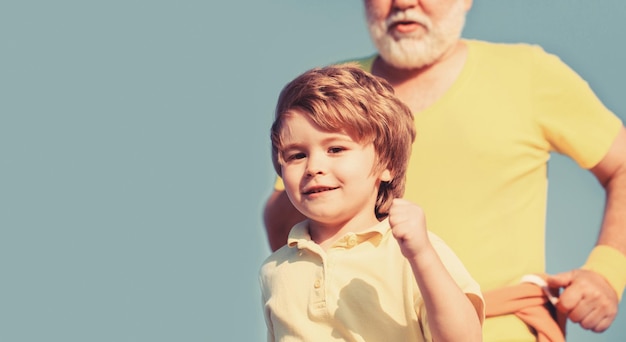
[(420, 88)]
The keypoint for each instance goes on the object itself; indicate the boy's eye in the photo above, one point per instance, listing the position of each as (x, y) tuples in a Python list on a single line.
[(295, 156), (333, 150)]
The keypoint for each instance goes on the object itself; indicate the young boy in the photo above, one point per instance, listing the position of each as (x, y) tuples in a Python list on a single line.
[(362, 267)]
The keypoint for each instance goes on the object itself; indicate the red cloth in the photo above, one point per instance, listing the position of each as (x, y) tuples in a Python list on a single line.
[(528, 302)]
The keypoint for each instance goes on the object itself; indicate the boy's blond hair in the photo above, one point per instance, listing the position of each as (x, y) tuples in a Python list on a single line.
[(344, 98)]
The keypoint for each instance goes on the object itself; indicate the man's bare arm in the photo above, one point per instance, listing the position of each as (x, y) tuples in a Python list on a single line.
[(589, 298), (279, 216)]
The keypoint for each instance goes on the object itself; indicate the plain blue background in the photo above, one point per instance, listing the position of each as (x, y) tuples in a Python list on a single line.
[(134, 153)]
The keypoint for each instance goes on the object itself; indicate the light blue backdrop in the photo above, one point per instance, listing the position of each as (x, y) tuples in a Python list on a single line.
[(134, 153)]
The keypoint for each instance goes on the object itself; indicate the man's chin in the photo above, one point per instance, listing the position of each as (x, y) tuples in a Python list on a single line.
[(413, 55)]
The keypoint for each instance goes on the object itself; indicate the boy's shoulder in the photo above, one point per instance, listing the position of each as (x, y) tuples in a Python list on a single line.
[(299, 234)]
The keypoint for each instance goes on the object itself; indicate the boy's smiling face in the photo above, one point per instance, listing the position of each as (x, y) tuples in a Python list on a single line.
[(328, 175)]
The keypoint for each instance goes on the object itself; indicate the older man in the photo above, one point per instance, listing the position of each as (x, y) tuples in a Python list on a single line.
[(488, 116)]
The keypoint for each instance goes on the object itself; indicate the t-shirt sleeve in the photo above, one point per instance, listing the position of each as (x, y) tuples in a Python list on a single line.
[(573, 119), (278, 184)]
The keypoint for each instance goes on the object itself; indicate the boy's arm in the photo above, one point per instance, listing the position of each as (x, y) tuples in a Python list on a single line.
[(279, 216), (451, 315)]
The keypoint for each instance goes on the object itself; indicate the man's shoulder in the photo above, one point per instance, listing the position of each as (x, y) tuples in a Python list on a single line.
[(503, 48), (364, 63)]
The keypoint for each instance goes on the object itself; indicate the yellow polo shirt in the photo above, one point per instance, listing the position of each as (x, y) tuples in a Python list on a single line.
[(361, 289)]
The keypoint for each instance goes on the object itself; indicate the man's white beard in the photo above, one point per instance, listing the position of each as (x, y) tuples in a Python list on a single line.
[(421, 50)]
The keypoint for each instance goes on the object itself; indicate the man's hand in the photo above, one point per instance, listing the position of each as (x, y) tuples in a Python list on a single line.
[(587, 298)]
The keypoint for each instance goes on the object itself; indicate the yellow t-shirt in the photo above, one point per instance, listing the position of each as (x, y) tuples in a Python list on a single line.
[(479, 163), (361, 289)]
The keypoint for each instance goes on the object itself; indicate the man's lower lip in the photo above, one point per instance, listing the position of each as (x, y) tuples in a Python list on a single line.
[(405, 27)]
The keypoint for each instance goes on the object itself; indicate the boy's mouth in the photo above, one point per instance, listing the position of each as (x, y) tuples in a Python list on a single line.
[(318, 190)]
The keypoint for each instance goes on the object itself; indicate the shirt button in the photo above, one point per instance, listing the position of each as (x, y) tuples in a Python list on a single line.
[(317, 284), (352, 240)]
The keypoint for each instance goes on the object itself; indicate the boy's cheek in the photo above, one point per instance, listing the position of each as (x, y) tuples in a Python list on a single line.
[(290, 180)]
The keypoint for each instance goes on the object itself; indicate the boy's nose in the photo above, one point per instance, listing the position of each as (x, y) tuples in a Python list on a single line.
[(315, 166)]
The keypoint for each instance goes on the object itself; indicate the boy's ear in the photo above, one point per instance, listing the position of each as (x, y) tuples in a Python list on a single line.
[(385, 176)]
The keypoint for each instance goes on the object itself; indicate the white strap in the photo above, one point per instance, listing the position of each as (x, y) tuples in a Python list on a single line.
[(537, 280)]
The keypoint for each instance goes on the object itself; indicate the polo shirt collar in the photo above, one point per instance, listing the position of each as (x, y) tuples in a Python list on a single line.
[(300, 237)]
